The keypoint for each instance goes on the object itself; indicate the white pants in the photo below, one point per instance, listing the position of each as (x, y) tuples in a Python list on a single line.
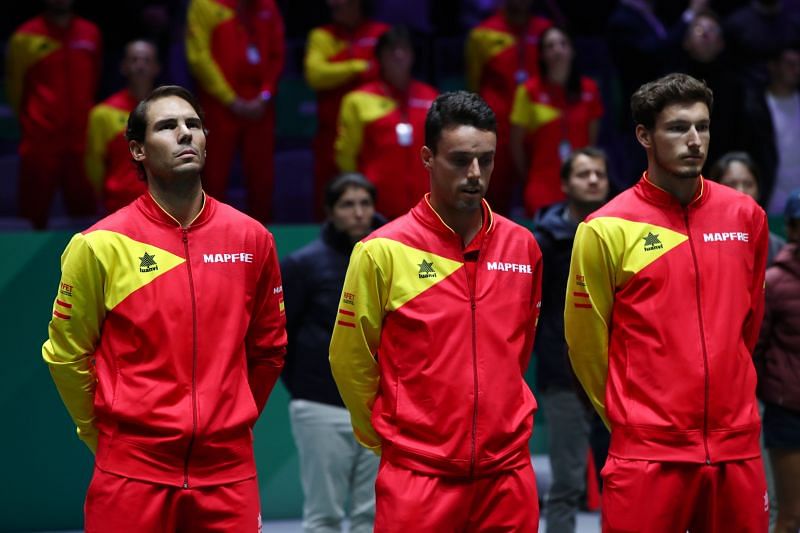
[(334, 469)]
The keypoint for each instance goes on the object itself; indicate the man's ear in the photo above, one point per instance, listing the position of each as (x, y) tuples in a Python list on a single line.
[(644, 136), (427, 157), (137, 150)]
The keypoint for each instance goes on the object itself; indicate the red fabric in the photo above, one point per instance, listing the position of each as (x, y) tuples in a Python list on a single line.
[(481, 421), (655, 497), (543, 187), (681, 384), (123, 505), (497, 85), (397, 171), (179, 408), (410, 501), (360, 44), (122, 183), (256, 141), (592, 486)]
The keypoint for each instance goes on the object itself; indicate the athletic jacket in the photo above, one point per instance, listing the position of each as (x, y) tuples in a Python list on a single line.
[(166, 342), (108, 160), (662, 313), (499, 57), (429, 366), (370, 142), (235, 54), (550, 119), (51, 78)]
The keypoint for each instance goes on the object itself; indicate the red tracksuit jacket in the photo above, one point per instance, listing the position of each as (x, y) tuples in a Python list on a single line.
[(663, 310), (166, 342), (430, 366)]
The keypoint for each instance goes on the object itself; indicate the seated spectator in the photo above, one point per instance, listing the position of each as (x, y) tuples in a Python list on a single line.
[(108, 160), (777, 359), (553, 114), (738, 171), (382, 127)]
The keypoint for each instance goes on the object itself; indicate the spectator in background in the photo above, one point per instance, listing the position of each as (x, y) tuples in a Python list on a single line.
[(501, 53), (334, 468), (553, 114), (584, 180), (643, 48), (109, 166), (339, 57), (738, 171), (52, 70), (777, 360), (235, 51), (772, 135), (382, 127), (756, 33), (705, 58)]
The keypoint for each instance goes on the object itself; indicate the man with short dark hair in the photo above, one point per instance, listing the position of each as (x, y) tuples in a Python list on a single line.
[(432, 338), (584, 181), (166, 338), (663, 308), (334, 468)]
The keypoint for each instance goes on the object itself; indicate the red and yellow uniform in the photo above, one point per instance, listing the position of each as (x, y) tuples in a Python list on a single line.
[(337, 61), (663, 310), (108, 160), (381, 133), (429, 352), (160, 384), (236, 49), (499, 57), (52, 76), (554, 126)]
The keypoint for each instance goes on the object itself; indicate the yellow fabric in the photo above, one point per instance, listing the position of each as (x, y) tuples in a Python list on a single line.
[(105, 123), (321, 73), (606, 254), (358, 109), (531, 115), (482, 45), (87, 264), (201, 19), (383, 275), (24, 51)]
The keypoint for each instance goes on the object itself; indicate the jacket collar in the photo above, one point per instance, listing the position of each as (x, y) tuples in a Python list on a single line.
[(427, 215), (152, 210), (656, 195), (338, 240)]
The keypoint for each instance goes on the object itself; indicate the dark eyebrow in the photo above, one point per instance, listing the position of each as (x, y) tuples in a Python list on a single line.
[(164, 122), (471, 154)]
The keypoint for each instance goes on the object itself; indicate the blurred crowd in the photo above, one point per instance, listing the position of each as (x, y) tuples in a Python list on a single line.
[(297, 92)]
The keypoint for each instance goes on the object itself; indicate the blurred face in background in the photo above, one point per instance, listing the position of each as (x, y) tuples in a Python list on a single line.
[(738, 176), (785, 70), (140, 64), (59, 7), (353, 212), (556, 50), (703, 41), (345, 12), (396, 64), (587, 183)]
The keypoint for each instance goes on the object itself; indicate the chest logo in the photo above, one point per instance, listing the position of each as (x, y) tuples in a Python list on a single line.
[(426, 270), (651, 242), (148, 263)]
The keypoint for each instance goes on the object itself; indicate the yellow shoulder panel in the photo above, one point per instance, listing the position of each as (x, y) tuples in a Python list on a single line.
[(409, 271), (320, 72), (105, 123), (638, 244), (541, 114), (201, 19), (24, 50), (129, 263)]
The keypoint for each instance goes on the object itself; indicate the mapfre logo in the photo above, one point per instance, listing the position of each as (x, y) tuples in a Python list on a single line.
[(509, 267), (238, 257), (726, 236)]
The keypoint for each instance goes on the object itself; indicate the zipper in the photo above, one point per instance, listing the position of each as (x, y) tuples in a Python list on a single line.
[(194, 359), (702, 336), (473, 310)]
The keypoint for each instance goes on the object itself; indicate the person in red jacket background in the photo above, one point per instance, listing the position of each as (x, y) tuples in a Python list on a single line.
[(553, 114), (339, 57), (235, 51), (382, 125), (108, 160), (502, 52), (52, 70), (164, 388)]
